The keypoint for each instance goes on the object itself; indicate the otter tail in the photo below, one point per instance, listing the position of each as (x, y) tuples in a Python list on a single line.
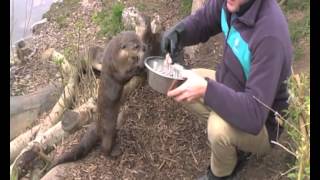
[(88, 141)]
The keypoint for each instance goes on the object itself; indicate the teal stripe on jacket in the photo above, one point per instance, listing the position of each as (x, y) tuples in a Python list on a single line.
[(238, 45)]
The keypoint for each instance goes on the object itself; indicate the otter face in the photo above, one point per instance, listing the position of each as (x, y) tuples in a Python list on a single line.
[(130, 56)]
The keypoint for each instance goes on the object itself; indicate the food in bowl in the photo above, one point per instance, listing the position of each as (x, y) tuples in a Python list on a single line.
[(163, 77)]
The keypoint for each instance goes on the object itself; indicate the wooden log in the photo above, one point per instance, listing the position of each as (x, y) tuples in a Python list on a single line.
[(21, 141), (25, 110), (22, 163), (73, 119), (51, 137), (63, 103)]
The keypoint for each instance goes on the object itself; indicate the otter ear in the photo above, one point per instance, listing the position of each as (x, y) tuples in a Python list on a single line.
[(123, 46)]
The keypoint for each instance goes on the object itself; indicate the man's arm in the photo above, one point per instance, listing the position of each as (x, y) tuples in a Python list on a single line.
[(240, 108), (203, 24)]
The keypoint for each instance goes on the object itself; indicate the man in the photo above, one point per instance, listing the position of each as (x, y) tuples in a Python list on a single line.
[(251, 77)]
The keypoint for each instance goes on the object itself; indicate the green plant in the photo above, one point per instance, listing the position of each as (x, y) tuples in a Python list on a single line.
[(186, 6), (296, 4), (109, 20), (299, 24), (141, 6), (62, 8), (58, 61), (67, 52), (298, 115), (298, 53), (61, 21), (80, 24)]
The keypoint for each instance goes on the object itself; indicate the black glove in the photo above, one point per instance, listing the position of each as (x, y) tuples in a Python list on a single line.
[(171, 41)]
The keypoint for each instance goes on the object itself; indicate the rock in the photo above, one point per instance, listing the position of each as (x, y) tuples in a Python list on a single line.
[(23, 50), (156, 26), (28, 76), (59, 172), (70, 121), (35, 28), (129, 16)]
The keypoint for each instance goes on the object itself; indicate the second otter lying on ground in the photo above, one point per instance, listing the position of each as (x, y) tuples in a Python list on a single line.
[(122, 60)]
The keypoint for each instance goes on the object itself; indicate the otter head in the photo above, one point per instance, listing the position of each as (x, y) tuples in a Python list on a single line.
[(128, 55)]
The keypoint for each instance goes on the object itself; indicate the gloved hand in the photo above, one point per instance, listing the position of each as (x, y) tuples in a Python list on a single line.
[(171, 41)]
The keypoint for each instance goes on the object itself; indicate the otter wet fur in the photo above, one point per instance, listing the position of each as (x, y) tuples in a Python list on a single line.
[(122, 60)]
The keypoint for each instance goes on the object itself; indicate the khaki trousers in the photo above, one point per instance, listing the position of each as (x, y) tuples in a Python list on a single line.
[(224, 139)]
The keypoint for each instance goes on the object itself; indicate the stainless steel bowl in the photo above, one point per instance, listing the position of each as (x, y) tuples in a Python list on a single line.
[(158, 80)]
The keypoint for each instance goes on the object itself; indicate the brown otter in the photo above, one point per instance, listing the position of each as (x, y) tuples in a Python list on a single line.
[(122, 60)]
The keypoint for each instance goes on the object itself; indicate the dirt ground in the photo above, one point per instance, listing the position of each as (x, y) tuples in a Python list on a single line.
[(159, 138)]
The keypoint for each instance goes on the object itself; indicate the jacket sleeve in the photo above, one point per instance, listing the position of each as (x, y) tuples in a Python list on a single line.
[(204, 23), (240, 108)]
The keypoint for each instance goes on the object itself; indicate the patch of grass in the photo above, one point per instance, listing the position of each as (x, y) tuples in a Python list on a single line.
[(298, 114), (298, 29), (298, 53), (141, 7), (80, 24), (297, 4), (186, 6), (61, 21), (109, 20), (68, 52), (299, 127), (59, 11)]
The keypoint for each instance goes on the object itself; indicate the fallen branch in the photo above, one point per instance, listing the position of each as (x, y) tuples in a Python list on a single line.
[(283, 147), (51, 137), (66, 67), (21, 141), (25, 110), (22, 163), (63, 103), (73, 119)]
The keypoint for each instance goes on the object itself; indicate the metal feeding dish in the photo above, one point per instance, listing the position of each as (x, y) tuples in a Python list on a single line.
[(163, 77)]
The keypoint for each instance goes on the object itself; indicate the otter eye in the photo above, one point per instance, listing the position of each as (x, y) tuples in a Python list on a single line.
[(136, 46), (134, 58), (123, 46)]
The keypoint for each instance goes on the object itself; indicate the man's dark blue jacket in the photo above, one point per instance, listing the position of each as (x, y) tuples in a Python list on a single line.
[(256, 62)]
